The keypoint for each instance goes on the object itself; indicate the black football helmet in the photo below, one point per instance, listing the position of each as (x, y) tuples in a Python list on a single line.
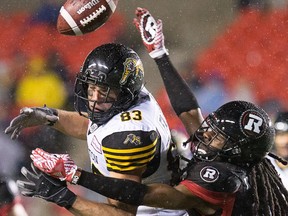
[(246, 130), (114, 66)]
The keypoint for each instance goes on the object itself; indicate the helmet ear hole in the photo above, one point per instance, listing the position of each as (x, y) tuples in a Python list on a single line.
[(115, 66)]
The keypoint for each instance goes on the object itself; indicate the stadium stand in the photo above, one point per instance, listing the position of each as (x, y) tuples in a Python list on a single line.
[(254, 49), (34, 39)]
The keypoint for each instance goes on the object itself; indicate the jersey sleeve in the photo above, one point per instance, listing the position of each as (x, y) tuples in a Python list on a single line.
[(129, 150), (214, 182)]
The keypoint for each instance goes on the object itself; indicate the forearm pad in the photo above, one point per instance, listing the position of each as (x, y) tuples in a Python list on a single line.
[(181, 97), (123, 190)]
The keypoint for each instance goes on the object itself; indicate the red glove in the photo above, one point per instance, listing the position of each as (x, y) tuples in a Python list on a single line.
[(59, 166), (151, 33)]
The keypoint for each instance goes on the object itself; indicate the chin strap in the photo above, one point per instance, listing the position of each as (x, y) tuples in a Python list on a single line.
[(276, 157)]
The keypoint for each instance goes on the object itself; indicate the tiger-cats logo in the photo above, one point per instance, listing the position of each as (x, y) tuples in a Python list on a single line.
[(132, 139), (132, 67)]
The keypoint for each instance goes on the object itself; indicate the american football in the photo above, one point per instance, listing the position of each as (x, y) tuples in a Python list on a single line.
[(78, 17)]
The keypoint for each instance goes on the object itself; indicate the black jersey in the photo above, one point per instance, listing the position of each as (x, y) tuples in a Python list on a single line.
[(216, 183)]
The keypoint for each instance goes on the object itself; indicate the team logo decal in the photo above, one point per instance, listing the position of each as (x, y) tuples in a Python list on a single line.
[(133, 139), (148, 31), (209, 174), (97, 75), (92, 128), (252, 124), (132, 67)]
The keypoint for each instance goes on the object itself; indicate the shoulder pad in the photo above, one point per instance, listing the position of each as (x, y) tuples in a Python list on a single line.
[(216, 176), (129, 150)]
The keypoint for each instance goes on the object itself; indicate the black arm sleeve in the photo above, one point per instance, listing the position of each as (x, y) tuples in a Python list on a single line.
[(180, 95), (124, 190)]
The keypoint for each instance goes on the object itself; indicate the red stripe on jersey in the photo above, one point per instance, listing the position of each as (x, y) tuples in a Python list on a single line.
[(224, 200)]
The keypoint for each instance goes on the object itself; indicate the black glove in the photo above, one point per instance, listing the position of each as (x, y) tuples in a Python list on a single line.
[(30, 117), (46, 187)]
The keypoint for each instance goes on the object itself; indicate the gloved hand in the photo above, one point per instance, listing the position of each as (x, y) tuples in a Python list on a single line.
[(30, 117), (59, 166), (151, 33), (40, 185)]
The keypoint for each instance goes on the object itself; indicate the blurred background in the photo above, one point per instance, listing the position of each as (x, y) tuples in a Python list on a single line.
[(225, 49)]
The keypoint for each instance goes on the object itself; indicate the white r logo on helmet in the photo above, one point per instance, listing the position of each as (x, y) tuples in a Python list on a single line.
[(254, 123)]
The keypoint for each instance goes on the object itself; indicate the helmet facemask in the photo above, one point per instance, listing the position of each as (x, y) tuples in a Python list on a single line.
[(89, 106), (205, 150), (115, 67)]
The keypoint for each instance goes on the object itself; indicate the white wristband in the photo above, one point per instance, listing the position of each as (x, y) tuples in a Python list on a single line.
[(76, 176), (158, 53)]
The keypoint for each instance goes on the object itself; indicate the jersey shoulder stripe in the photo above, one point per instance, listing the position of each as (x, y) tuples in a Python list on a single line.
[(114, 151), (128, 166), (129, 156)]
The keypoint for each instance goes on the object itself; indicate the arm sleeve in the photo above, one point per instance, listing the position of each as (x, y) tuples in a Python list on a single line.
[(180, 95), (124, 190)]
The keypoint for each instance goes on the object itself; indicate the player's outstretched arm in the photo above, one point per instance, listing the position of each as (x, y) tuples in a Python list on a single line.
[(72, 124), (69, 123), (86, 207), (61, 166), (41, 185), (30, 117), (182, 99)]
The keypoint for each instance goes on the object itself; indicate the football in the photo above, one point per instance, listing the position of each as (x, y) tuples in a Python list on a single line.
[(78, 17)]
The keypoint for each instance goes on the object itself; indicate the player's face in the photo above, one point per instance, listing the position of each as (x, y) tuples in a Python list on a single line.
[(215, 140), (101, 98), (281, 145), (208, 143)]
